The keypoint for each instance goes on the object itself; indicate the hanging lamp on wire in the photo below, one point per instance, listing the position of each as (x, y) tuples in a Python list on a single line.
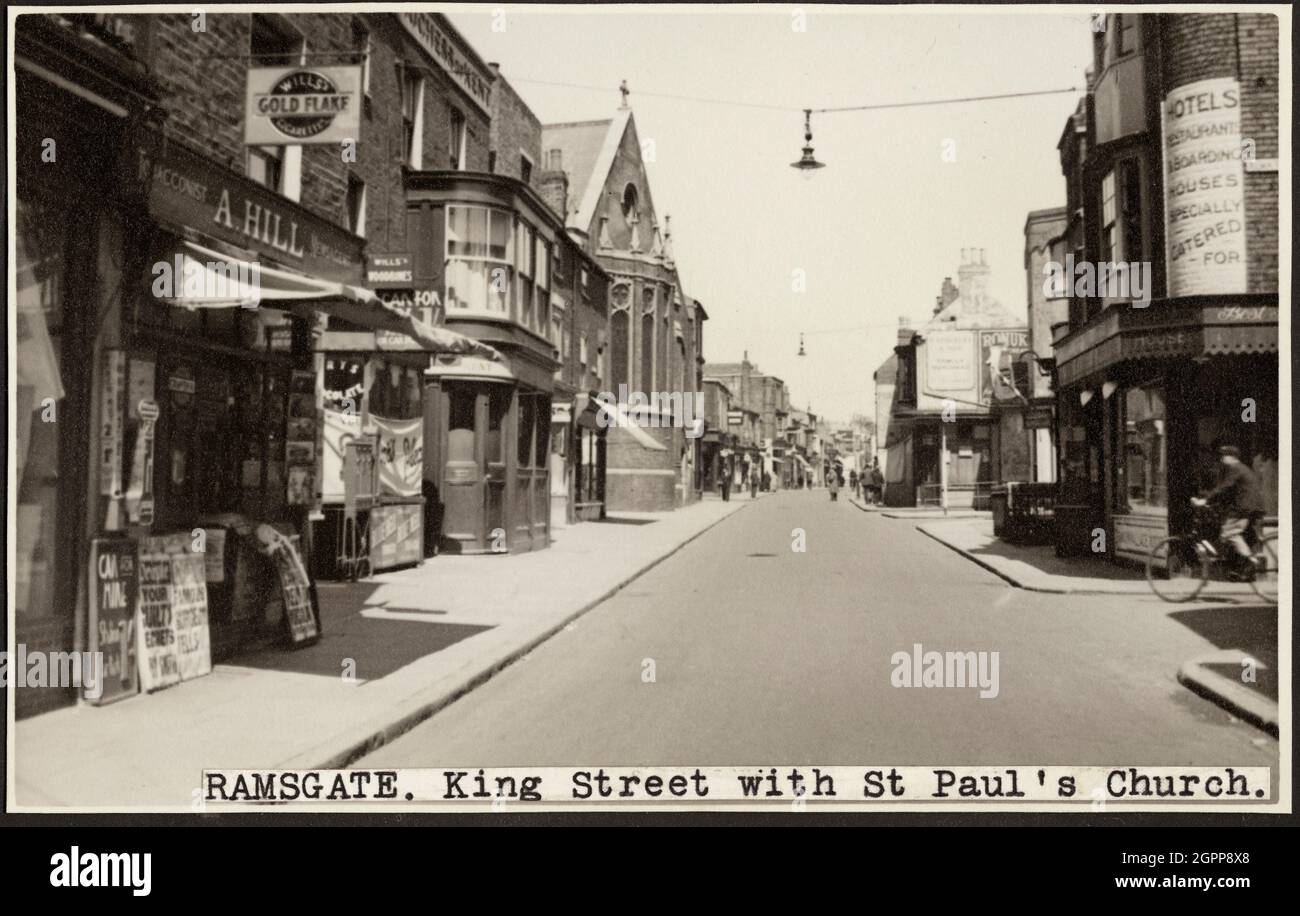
[(807, 164)]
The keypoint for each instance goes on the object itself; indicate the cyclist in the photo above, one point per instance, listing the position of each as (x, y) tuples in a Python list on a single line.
[(1240, 502)]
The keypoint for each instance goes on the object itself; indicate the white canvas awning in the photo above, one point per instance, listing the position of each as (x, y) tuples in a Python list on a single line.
[(203, 278)]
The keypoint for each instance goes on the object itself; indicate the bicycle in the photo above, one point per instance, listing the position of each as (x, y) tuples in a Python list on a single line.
[(1179, 567)]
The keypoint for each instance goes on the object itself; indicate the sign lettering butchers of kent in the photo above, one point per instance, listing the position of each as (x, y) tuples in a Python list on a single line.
[(1205, 226), (430, 30), (302, 105)]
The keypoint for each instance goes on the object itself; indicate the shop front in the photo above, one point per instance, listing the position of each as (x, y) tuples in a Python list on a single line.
[(486, 244), (1146, 399)]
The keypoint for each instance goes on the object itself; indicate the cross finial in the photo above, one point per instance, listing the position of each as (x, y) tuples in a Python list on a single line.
[(622, 87)]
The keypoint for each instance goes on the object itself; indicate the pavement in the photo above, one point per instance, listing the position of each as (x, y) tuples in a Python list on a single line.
[(743, 649), (393, 651)]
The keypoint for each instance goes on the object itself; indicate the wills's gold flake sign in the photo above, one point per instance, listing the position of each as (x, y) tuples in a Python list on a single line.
[(302, 105)]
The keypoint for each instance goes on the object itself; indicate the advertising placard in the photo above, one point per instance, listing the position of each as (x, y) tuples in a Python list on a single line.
[(400, 456), (155, 626), (302, 105), (949, 361), (1205, 225), (113, 592)]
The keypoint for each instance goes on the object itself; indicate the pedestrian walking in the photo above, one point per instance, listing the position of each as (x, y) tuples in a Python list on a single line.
[(853, 482), (753, 485), (877, 484), (835, 486), (725, 481)]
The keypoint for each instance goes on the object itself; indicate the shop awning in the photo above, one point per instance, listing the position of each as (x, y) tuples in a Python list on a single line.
[(204, 278), (1163, 331)]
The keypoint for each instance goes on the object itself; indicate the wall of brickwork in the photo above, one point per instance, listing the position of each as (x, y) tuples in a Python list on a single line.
[(514, 129)]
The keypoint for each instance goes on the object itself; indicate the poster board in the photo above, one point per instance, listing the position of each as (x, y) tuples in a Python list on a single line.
[(295, 586), (112, 622), (400, 455), (173, 640)]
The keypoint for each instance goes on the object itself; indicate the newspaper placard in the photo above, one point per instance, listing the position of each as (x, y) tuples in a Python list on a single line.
[(190, 614), (155, 625), (112, 624)]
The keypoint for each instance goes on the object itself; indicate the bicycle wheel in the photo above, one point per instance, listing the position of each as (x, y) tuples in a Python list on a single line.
[(1265, 581), (1175, 571)]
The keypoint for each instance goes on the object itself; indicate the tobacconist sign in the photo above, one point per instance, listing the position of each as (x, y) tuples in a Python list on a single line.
[(190, 191), (302, 105)]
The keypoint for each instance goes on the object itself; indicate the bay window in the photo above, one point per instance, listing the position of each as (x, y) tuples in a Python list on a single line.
[(478, 259)]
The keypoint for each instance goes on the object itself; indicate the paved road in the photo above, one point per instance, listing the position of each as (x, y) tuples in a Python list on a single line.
[(762, 654)]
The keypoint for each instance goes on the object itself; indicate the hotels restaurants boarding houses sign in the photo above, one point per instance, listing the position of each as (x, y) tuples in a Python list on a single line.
[(1205, 213), (430, 31), (302, 105)]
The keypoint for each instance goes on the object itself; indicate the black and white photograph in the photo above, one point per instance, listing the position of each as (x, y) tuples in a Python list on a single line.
[(537, 410)]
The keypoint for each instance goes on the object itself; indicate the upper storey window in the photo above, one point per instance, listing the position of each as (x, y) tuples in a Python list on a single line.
[(479, 259)]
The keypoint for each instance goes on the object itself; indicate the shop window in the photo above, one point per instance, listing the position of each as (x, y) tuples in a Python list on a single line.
[(542, 440), (478, 259), (344, 384), (37, 401), (460, 424), (498, 408), (524, 440), (1140, 474)]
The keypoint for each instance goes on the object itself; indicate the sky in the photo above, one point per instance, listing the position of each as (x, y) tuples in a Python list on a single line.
[(877, 230)]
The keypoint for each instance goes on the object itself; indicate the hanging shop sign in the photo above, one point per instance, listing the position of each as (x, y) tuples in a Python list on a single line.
[(295, 586), (400, 455), (389, 271), (436, 38), (1205, 213), (302, 105), (112, 624), (189, 190)]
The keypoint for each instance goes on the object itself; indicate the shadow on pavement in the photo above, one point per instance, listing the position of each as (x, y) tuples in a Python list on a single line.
[(377, 647), (1252, 628)]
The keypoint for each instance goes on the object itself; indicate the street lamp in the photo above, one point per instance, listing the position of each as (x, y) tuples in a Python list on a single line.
[(807, 164)]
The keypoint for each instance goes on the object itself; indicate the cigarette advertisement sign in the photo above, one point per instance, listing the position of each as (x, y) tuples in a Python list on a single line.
[(302, 105)]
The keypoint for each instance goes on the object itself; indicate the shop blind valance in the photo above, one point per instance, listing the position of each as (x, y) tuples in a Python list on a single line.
[(199, 277)]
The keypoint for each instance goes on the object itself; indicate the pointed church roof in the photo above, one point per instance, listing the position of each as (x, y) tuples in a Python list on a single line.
[(587, 150)]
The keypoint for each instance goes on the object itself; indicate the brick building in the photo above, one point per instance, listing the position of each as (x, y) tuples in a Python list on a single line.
[(1173, 165)]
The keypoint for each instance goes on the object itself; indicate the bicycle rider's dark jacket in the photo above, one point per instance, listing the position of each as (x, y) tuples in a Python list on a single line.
[(1237, 493)]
